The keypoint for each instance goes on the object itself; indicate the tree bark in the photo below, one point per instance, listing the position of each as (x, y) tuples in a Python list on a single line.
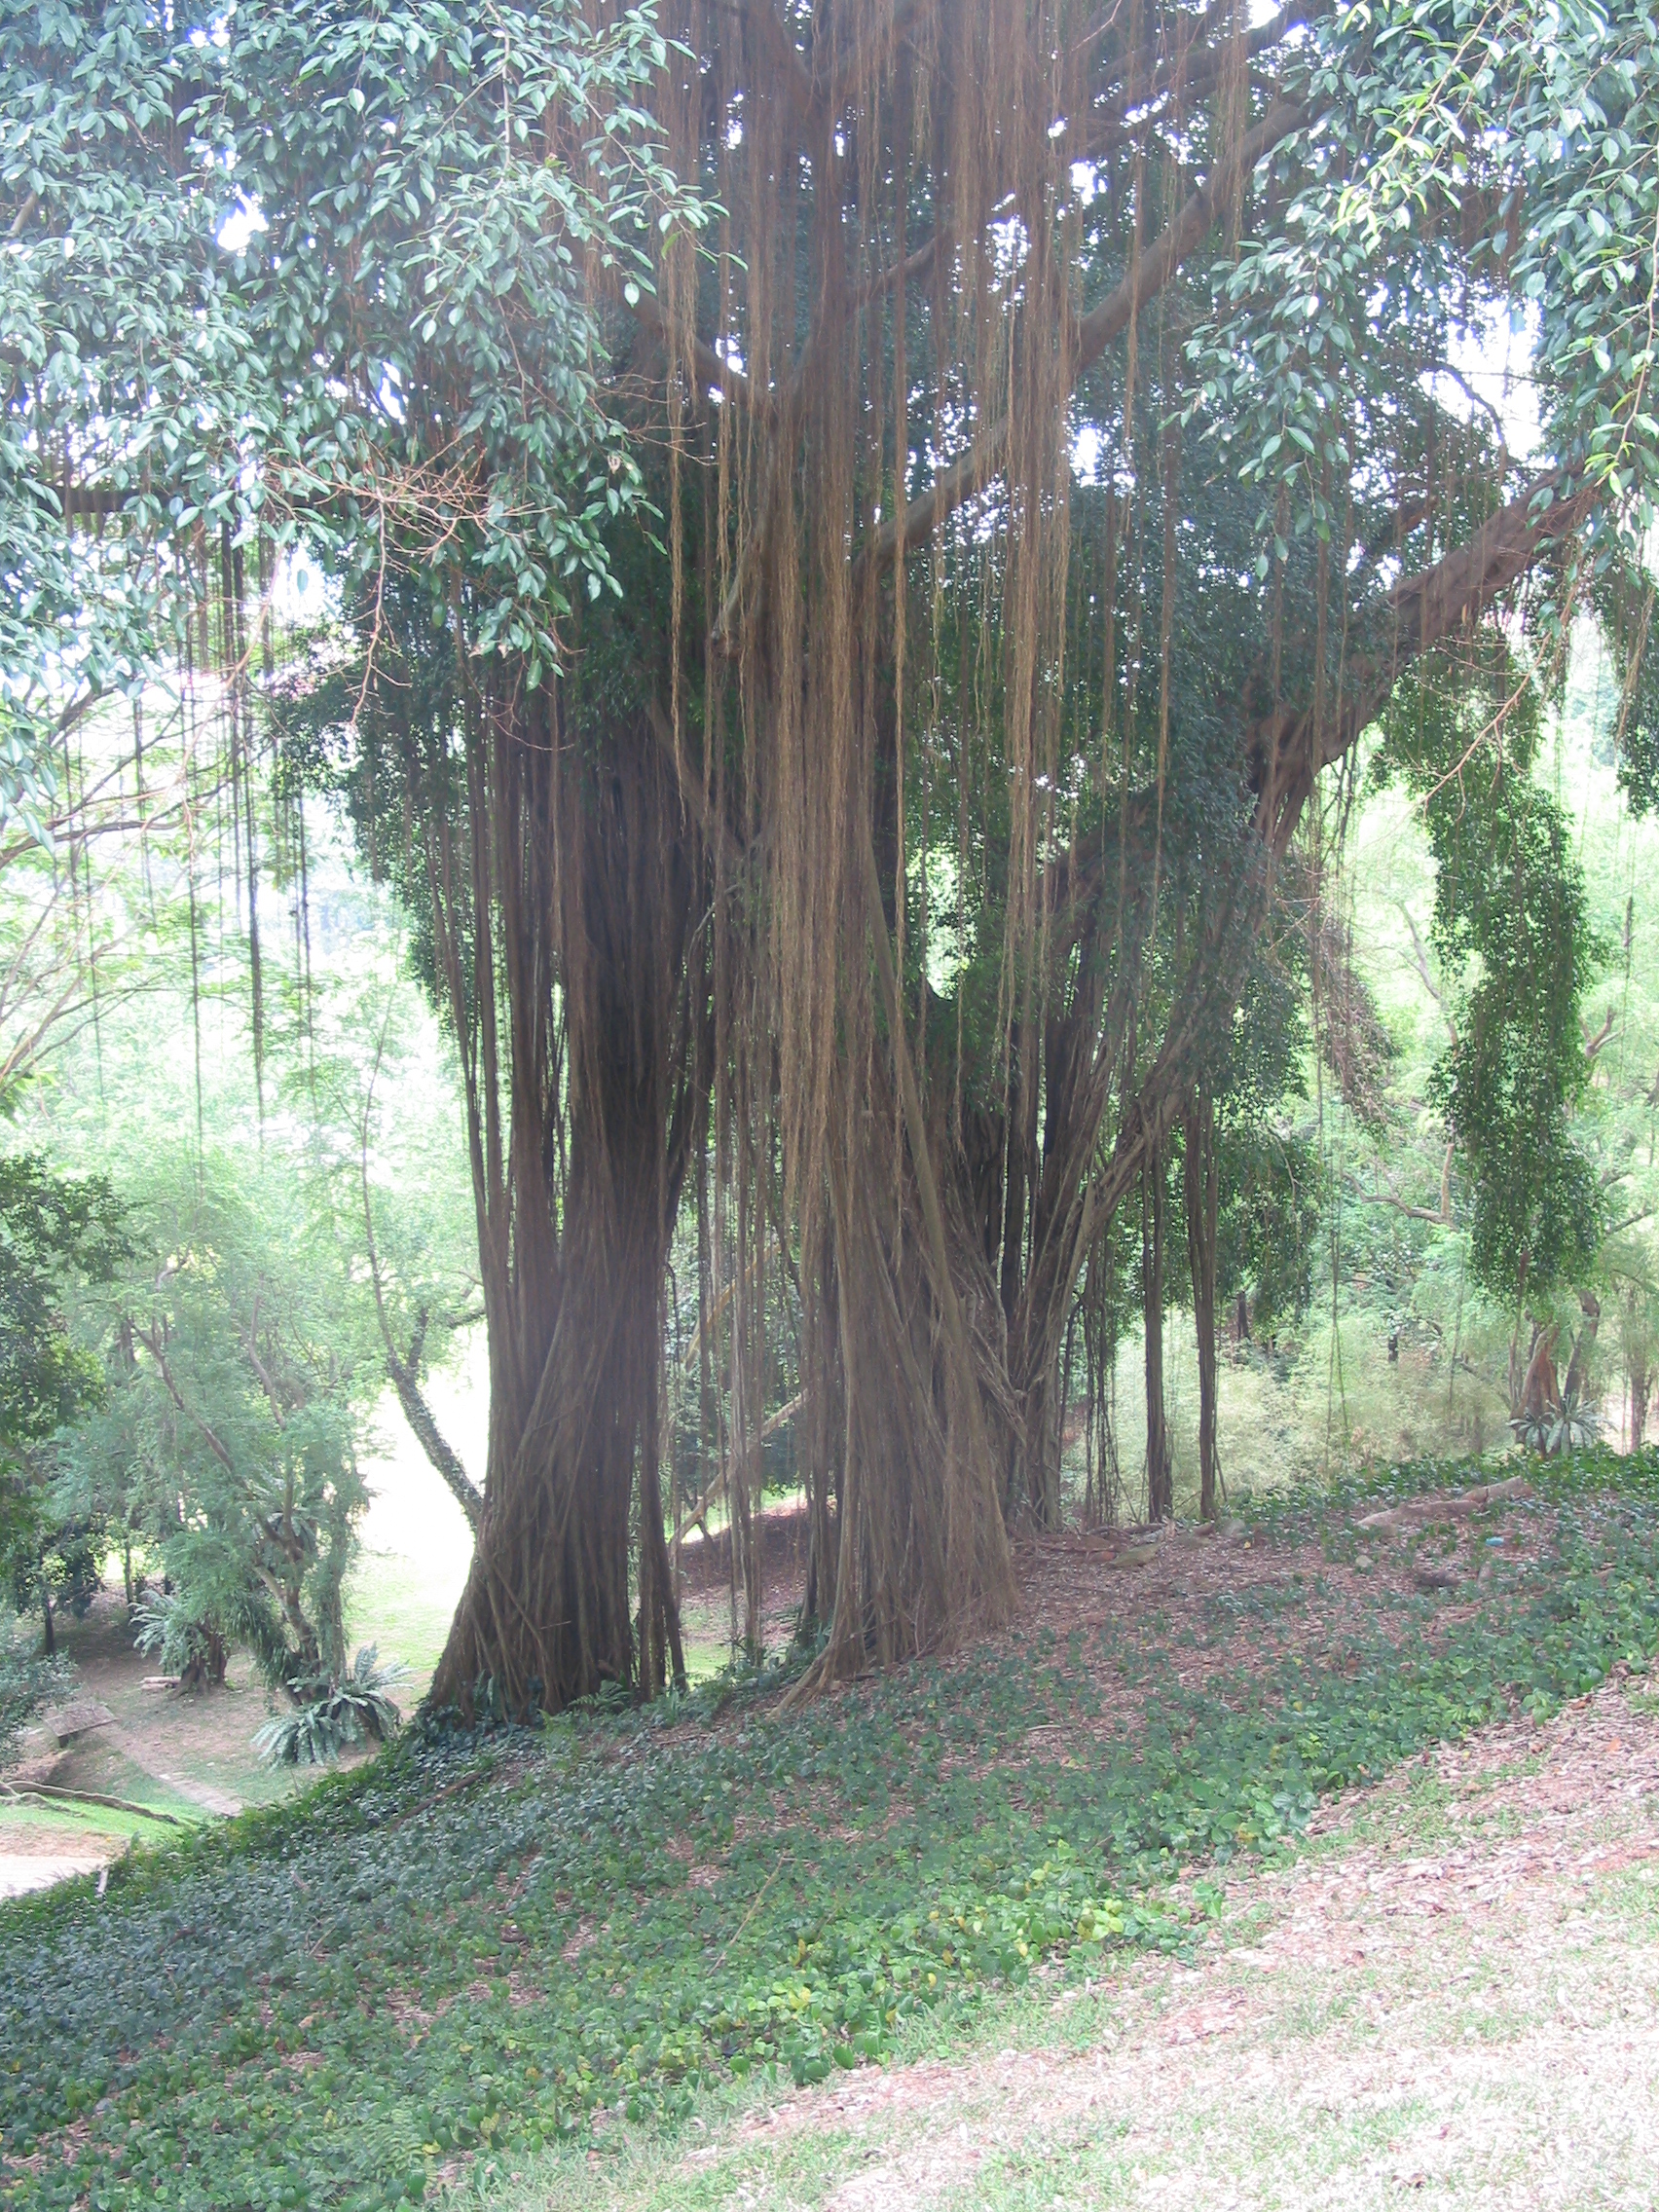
[(1578, 1365), (824, 1404), (1539, 1390), (591, 887), (922, 1547)]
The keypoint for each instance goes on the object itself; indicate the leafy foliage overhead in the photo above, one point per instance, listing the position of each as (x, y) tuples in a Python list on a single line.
[(289, 271), (1510, 925)]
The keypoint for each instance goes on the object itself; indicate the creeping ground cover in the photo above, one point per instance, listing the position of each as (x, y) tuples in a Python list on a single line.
[(471, 1945)]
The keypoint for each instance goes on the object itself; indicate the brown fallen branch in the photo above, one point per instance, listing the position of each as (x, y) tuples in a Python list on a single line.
[(1441, 1505)]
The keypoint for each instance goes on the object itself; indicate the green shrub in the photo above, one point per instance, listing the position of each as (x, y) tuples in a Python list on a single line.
[(333, 1716)]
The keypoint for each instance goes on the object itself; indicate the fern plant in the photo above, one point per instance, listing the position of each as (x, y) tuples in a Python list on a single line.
[(183, 1637), (332, 1717)]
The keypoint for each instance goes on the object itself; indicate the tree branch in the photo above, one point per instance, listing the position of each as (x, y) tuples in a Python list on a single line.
[(1423, 970), (1593, 1045), (405, 1373), (983, 460), (151, 1339), (1440, 1215)]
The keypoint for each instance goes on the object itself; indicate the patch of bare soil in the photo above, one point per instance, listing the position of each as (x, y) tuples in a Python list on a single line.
[(34, 1857), (198, 1749), (1082, 1580), (705, 1577), (1453, 1994)]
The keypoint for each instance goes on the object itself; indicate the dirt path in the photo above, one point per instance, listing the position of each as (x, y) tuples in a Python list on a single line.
[(34, 1858), (177, 1753), (1451, 1994)]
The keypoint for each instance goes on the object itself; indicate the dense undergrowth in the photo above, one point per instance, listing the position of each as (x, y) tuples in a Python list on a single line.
[(472, 1943)]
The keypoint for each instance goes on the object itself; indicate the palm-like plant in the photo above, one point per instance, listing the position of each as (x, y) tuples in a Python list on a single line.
[(1551, 1431), (331, 1717)]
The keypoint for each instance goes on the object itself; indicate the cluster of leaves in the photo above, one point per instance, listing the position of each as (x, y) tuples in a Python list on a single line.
[(337, 274), (50, 1229), (1511, 928), (1268, 1220), (27, 1682), (55, 1233), (1506, 166), (225, 1442), (478, 1941), (490, 178), (119, 351), (1551, 1431)]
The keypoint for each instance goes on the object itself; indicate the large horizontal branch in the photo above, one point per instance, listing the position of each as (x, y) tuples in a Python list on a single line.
[(969, 475), (714, 372), (1427, 609)]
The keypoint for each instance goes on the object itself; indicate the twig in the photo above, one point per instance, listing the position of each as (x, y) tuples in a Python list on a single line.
[(755, 1906)]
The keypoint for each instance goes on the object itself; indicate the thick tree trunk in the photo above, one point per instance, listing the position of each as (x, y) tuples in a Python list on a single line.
[(922, 1548), (1539, 1392), (1202, 1195), (596, 894), (546, 1614), (1044, 1422), (1159, 1470)]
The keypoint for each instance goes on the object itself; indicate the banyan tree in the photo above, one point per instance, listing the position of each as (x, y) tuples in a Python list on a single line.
[(864, 534), (1069, 397)]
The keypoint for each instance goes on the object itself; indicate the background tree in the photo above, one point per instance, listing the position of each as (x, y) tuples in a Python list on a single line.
[(53, 1232), (1509, 915)]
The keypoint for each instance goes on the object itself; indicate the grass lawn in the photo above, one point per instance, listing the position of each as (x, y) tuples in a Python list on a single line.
[(435, 1973)]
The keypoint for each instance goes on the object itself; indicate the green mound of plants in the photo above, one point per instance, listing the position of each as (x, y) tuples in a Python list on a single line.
[(476, 1941)]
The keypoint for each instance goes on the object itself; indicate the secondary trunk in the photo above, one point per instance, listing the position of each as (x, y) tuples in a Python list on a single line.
[(1639, 1384), (1200, 1187), (1578, 1365), (922, 1550), (1160, 1472)]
